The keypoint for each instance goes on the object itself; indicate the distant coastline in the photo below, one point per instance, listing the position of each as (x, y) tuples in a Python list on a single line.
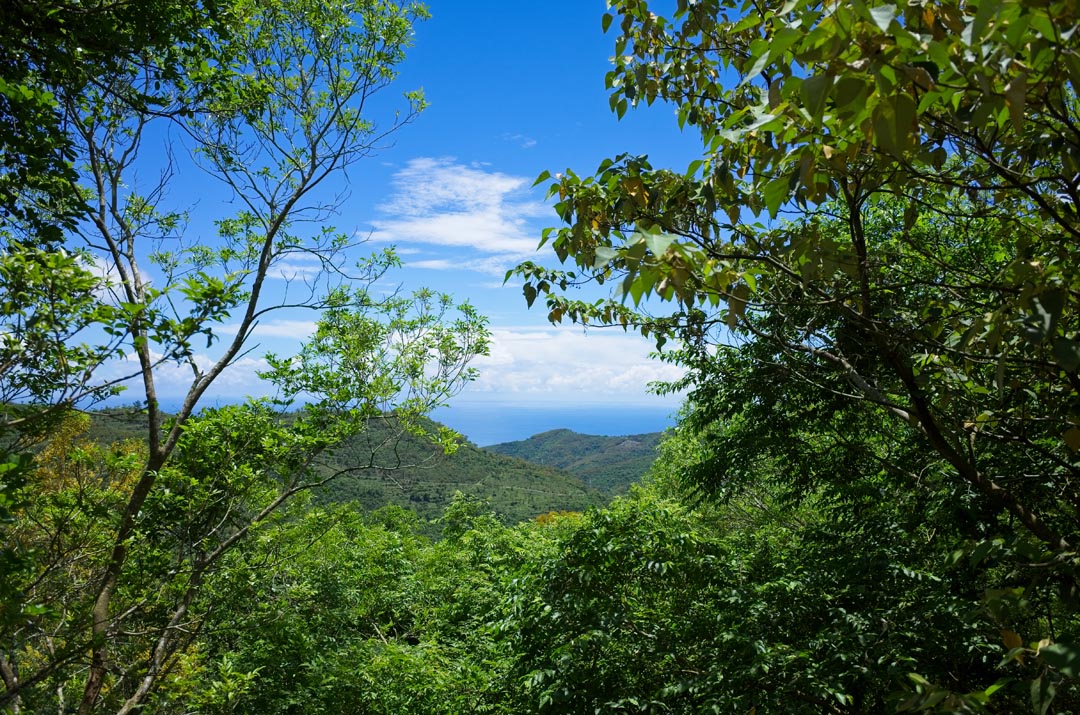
[(487, 424)]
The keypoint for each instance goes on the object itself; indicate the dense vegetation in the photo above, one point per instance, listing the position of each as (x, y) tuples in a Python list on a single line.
[(870, 502), (869, 276), (106, 558), (387, 465)]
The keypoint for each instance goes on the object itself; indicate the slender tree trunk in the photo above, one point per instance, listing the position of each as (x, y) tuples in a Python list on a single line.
[(101, 622), (11, 682)]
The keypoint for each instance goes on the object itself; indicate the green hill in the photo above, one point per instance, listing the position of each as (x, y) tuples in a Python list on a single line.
[(414, 473), (610, 464), (387, 466)]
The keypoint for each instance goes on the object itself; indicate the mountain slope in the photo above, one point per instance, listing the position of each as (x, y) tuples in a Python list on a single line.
[(416, 474), (610, 464), (387, 466)]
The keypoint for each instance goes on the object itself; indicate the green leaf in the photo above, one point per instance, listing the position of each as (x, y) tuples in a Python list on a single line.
[(1067, 354), (1064, 657), (776, 193), (848, 89), (1042, 316), (905, 112), (659, 243), (1043, 691), (1072, 438), (604, 256), (783, 39), (760, 62), (989, 692), (737, 303), (1015, 97), (987, 10), (1043, 24), (883, 15), (814, 92)]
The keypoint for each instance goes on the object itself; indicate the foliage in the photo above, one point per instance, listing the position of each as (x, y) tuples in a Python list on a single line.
[(375, 619), (14, 562), (651, 607), (53, 50), (425, 480), (124, 538), (50, 298), (869, 270), (388, 465)]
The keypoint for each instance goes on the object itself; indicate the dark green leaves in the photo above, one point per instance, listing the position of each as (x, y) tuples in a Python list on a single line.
[(1067, 354), (901, 309), (814, 92), (1063, 657), (1043, 315)]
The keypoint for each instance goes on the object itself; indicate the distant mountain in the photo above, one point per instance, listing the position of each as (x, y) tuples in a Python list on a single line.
[(426, 479), (610, 464), (388, 466)]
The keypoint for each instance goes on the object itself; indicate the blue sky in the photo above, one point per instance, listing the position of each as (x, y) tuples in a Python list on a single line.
[(516, 89), (513, 89)]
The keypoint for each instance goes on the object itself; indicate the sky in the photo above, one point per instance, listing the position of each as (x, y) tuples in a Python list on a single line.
[(514, 89)]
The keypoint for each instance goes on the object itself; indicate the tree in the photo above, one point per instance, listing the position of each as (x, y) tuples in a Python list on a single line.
[(51, 51), (376, 618), (651, 606), (772, 146), (273, 106), (877, 233)]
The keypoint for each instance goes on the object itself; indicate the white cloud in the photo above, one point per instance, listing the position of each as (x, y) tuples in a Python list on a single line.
[(173, 380), (529, 367), (435, 264), (295, 329), (491, 265), (525, 142), (109, 289), (440, 202), (298, 267), (563, 364)]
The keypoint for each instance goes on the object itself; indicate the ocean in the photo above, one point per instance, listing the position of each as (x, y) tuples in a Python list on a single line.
[(487, 424)]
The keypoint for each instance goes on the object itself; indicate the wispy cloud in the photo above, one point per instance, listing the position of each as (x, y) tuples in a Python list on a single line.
[(529, 368), (525, 142), (295, 329), (173, 380), (492, 265), (109, 289), (298, 267), (441, 202)]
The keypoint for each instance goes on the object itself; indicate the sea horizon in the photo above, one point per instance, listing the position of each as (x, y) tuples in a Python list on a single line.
[(488, 423), (485, 424)]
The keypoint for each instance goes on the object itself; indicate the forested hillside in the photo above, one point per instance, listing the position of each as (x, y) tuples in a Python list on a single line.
[(421, 477), (610, 464), (387, 465)]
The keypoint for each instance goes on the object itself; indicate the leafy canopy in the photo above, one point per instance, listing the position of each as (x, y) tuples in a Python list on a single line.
[(112, 551), (870, 268)]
